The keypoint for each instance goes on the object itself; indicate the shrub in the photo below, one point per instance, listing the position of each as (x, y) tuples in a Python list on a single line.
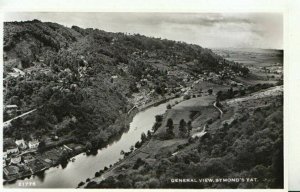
[(97, 174), (81, 183), (138, 163)]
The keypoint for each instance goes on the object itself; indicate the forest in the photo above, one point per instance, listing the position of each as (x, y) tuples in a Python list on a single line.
[(68, 77), (81, 80), (250, 147)]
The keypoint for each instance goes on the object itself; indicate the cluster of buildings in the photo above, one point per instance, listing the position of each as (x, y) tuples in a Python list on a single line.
[(13, 150), (272, 69), (175, 73), (18, 158)]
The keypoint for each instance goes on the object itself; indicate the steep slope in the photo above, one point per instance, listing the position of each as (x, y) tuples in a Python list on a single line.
[(242, 149), (82, 80)]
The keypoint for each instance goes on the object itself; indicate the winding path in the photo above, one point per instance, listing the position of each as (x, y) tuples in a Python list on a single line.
[(221, 112)]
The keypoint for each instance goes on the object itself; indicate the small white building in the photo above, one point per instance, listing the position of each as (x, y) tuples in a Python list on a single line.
[(21, 144), (33, 144), (11, 107), (10, 146), (12, 150), (4, 155), (22, 73)]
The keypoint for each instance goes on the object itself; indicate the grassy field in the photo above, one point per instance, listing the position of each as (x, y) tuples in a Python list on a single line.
[(266, 66), (222, 142), (160, 151), (253, 57)]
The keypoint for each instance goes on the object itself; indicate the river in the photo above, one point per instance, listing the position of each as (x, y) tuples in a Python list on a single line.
[(85, 166)]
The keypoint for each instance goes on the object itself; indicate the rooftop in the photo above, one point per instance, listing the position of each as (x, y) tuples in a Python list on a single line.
[(10, 106), (33, 142), (9, 143), (11, 170)]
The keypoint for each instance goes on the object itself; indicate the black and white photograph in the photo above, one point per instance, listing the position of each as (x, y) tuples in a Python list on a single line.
[(143, 100)]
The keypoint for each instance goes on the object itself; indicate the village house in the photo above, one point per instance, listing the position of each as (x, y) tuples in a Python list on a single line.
[(240, 84), (11, 109), (41, 59), (9, 146), (10, 171), (35, 166), (21, 144), (16, 73), (138, 85), (78, 148), (4, 155), (33, 144), (15, 159), (28, 158)]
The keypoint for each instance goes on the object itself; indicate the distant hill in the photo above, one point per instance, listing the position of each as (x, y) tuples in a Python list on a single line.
[(30, 40), (258, 57)]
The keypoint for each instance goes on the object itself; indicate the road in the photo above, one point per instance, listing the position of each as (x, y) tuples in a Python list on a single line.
[(7, 123)]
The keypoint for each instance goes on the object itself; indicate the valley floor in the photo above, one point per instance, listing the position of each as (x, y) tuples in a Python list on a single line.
[(207, 116)]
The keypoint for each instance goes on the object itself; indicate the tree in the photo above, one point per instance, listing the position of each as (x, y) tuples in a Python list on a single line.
[(189, 127), (169, 106), (230, 93), (149, 134), (182, 127), (219, 96), (242, 92), (170, 123), (64, 156), (137, 144), (131, 148), (143, 137), (97, 174), (154, 183), (88, 146), (25, 62), (81, 183), (158, 118), (210, 91), (277, 165), (138, 163), (170, 128), (16, 122), (42, 146), (159, 90)]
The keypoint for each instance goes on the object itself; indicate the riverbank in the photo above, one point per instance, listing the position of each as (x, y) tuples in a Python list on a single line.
[(155, 147), (157, 160), (55, 156), (40, 162)]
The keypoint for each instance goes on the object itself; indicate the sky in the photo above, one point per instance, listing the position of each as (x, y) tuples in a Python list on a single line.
[(211, 30)]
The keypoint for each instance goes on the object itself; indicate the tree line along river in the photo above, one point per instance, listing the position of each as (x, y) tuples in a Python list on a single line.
[(85, 166)]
